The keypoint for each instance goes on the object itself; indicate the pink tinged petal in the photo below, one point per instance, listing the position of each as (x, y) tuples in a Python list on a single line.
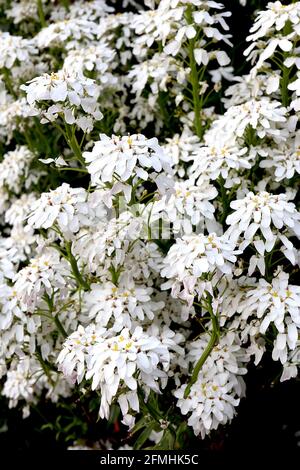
[(288, 373)]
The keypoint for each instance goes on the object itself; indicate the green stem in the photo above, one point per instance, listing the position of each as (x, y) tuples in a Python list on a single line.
[(162, 100), (115, 274), (284, 81), (44, 140), (210, 345), (73, 143), (29, 142), (194, 78), (66, 4), (60, 326), (8, 82), (44, 365), (70, 168), (81, 282), (41, 13)]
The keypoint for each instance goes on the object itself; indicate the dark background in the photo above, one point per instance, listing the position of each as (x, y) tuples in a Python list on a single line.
[(268, 419)]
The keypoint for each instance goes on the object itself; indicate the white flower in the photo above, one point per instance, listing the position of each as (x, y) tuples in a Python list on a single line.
[(142, 263), (14, 167), (124, 160), (18, 245), (119, 274), (260, 218), (216, 393), (19, 384), (189, 206), (72, 358), (43, 275), (125, 156), (58, 33), (270, 47), (93, 10), (7, 254), (23, 10), (11, 113), (117, 363), (218, 159), (284, 158), (201, 56), (191, 257), (295, 86), (274, 18), (245, 88), (15, 49), (275, 32), (262, 114), (10, 307), (74, 97), (65, 206), (160, 72), (19, 209), (273, 83), (168, 25), (119, 306), (99, 57), (106, 239), (277, 303), (290, 368), (180, 147)]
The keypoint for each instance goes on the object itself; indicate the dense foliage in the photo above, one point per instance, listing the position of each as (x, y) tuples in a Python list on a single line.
[(149, 170)]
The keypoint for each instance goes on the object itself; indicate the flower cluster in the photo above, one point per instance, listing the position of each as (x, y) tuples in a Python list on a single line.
[(129, 157), (191, 259), (71, 95), (134, 359), (213, 397), (149, 233)]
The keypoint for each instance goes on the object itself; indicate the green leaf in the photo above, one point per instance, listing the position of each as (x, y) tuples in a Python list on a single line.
[(114, 414), (167, 441), (143, 422), (144, 436)]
